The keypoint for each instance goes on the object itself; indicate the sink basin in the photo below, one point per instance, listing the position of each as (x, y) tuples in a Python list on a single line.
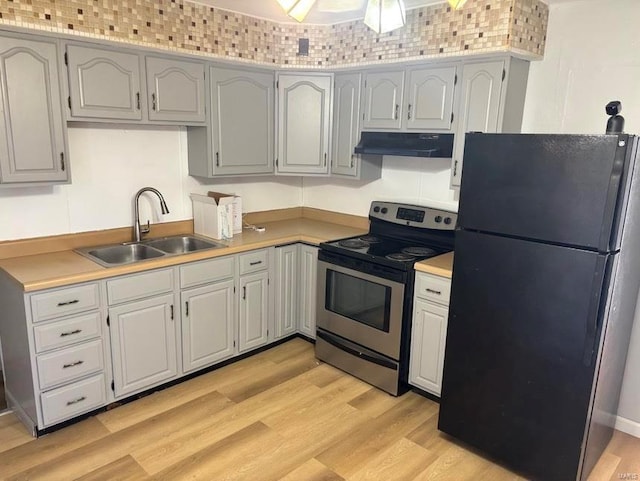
[(121, 254), (182, 244)]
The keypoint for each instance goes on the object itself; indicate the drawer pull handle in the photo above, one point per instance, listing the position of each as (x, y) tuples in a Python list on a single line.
[(68, 303), (71, 364), (70, 333), (255, 263), (76, 401), (432, 291)]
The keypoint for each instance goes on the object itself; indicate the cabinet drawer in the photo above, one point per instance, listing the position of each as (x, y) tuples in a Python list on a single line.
[(74, 399), (433, 288), (69, 364), (139, 286), (64, 302), (253, 261), (207, 271), (66, 332)]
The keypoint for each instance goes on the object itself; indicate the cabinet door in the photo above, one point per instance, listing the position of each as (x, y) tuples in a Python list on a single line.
[(383, 99), (143, 344), (32, 127), (428, 337), (242, 121), (304, 116), (254, 314), (286, 290), (207, 325), (308, 292), (430, 99), (346, 124), (176, 90), (479, 106), (104, 83)]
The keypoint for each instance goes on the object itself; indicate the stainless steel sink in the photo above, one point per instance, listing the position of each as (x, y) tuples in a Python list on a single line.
[(119, 254), (130, 253), (182, 244)]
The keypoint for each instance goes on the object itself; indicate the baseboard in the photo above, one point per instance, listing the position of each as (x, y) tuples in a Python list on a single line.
[(628, 426)]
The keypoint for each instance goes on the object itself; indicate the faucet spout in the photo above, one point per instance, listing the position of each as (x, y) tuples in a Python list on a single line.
[(138, 230)]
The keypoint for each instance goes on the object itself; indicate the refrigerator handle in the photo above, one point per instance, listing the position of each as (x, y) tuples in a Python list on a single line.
[(597, 306)]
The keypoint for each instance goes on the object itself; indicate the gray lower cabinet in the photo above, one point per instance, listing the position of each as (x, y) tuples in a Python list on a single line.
[(253, 309), (491, 100), (104, 83), (33, 146), (176, 90), (308, 289), (304, 120), (207, 325), (429, 332), (287, 290)]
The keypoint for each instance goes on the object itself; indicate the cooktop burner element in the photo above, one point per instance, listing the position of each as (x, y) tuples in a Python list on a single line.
[(371, 239), (353, 243), (418, 251), (400, 256)]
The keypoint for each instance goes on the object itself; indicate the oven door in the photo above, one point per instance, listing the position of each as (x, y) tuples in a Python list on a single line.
[(363, 304)]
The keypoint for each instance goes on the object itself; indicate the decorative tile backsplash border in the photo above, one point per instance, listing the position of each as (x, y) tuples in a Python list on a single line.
[(482, 26)]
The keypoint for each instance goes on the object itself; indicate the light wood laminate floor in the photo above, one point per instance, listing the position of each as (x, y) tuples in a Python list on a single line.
[(279, 415)]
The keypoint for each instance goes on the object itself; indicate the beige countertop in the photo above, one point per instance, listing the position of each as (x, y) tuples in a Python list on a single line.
[(44, 271), (440, 266)]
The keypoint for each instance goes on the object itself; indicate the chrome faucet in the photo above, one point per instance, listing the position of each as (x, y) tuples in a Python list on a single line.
[(138, 231)]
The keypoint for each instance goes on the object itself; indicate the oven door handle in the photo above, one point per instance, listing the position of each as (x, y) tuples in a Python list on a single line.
[(367, 356)]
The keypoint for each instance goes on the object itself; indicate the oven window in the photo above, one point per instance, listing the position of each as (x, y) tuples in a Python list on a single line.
[(363, 301)]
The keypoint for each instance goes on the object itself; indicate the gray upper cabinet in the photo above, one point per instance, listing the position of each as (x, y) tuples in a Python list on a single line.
[(383, 100), (175, 90), (242, 121), (32, 127), (304, 119), (346, 124), (104, 84), (430, 99), (491, 100)]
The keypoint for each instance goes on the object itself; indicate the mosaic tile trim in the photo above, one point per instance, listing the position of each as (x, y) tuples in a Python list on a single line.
[(482, 26)]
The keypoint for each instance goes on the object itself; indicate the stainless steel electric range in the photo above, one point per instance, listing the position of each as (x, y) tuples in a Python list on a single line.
[(365, 291)]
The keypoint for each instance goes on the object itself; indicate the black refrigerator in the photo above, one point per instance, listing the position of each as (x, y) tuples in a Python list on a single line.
[(545, 282)]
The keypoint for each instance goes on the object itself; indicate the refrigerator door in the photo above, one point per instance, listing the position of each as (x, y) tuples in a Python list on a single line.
[(556, 188), (519, 360)]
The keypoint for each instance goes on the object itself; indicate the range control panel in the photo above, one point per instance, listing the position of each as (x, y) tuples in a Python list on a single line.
[(413, 215)]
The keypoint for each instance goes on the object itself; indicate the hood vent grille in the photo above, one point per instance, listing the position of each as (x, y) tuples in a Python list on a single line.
[(406, 144)]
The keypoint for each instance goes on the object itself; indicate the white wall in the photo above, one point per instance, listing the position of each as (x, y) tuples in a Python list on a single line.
[(109, 164), (590, 59)]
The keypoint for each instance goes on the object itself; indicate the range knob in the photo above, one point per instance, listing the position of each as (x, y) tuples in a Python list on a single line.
[(447, 220), (384, 210), (438, 219), (376, 209)]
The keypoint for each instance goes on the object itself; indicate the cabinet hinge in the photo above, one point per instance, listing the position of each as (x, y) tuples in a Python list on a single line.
[(504, 74), (234, 343), (234, 289), (267, 332), (268, 281), (113, 386), (277, 84), (69, 101), (66, 58), (455, 80), (276, 162), (108, 322)]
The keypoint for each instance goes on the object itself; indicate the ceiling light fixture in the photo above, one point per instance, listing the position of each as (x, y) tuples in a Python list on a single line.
[(385, 15), (297, 9), (456, 4)]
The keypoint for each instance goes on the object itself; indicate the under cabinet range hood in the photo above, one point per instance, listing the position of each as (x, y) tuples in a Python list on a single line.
[(406, 144)]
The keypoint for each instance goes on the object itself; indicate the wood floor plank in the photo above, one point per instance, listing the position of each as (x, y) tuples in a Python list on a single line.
[(312, 470), (123, 469), (287, 351), (374, 402), (12, 432), (605, 468), (352, 452), (454, 463), (403, 460), (323, 375)]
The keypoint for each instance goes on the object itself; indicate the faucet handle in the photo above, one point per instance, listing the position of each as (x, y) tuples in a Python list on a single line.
[(145, 229)]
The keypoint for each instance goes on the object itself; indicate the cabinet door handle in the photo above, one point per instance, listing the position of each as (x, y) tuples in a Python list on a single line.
[(255, 263), (186, 308), (70, 333), (217, 159), (62, 161), (409, 112), (76, 401), (244, 292), (153, 101), (433, 291), (455, 168), (71, 364), (325, 159), (138, 100), (172, 312), (397, 111), (352, 160), (68, 303)]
